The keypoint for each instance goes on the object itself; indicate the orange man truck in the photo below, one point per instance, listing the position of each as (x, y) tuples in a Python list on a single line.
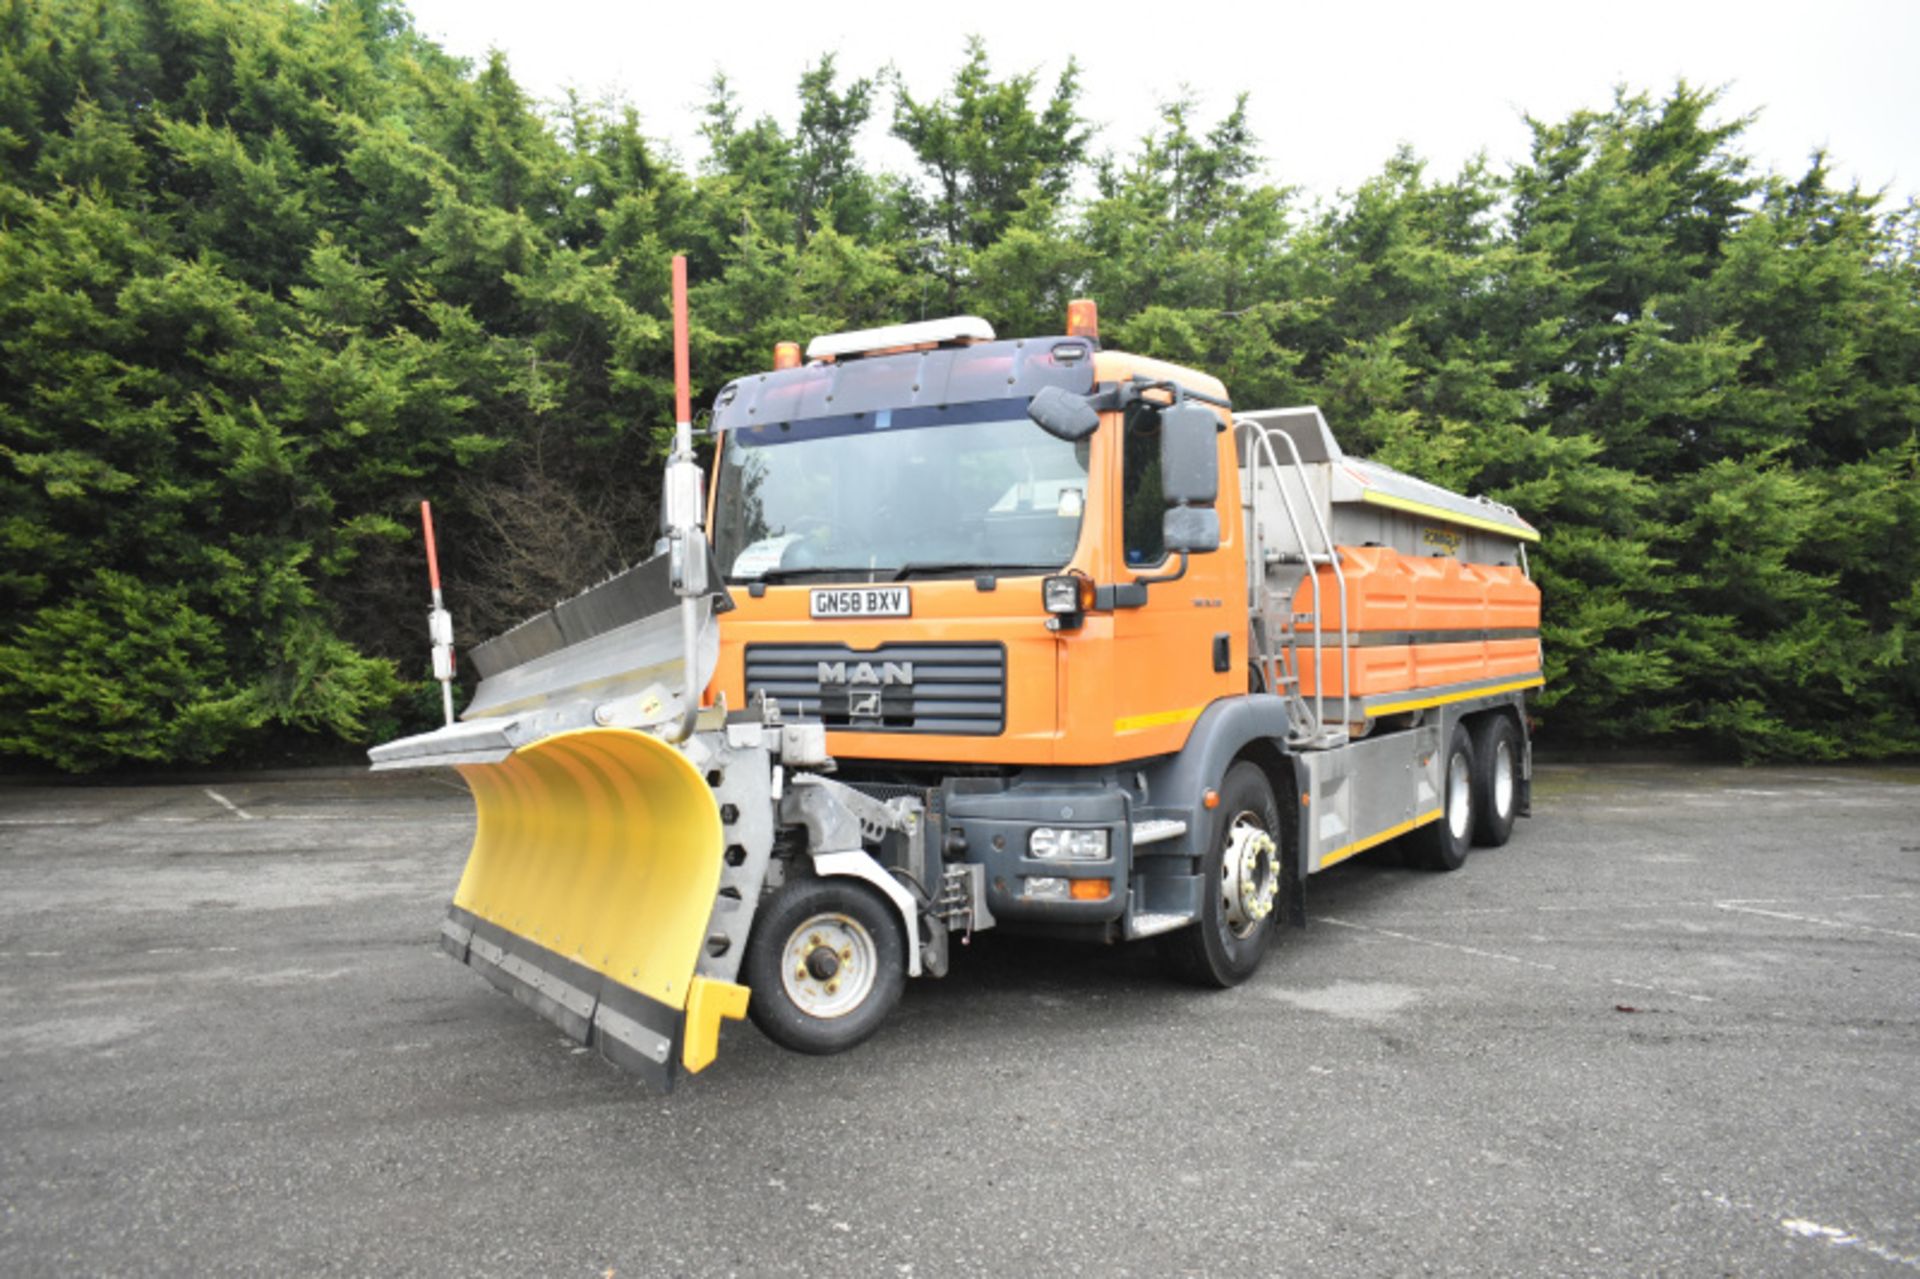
[(973, 633)]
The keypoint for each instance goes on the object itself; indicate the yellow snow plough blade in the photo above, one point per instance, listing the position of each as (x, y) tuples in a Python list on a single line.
[(588, 893)]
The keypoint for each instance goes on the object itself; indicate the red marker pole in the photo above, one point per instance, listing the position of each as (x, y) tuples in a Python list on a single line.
[(439, 621)]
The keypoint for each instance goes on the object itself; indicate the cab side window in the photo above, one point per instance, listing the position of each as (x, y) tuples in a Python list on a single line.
[(1142, 505)]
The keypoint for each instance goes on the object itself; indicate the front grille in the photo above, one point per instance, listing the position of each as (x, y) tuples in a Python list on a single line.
[(895, 688), (884, 791)]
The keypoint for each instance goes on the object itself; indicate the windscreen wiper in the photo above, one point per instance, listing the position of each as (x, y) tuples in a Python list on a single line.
[(965, 566), (919, 568), (775, 576)]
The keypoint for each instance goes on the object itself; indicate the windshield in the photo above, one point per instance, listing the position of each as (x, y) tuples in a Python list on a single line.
[(898, 491)]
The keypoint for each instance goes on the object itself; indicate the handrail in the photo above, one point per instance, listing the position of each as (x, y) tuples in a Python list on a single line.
[(1258, 436), (1264, 436), (1257, 570), (1340, 576)]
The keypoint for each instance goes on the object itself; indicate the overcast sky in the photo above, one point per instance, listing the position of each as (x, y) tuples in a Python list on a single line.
[(1335, 88)]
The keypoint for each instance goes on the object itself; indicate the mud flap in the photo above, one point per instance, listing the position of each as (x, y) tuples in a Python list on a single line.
[(594, 869)]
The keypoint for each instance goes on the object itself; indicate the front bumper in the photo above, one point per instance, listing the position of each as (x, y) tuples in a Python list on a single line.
[(992, 827)]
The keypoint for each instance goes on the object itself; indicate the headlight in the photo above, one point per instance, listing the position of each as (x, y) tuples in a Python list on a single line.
[(1060, 594), (1051, 844)]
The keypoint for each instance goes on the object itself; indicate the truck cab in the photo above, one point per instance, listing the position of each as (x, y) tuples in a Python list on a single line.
[(889, 557)]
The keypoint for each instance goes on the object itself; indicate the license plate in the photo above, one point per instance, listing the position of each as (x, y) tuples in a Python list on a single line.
[(863, 601)]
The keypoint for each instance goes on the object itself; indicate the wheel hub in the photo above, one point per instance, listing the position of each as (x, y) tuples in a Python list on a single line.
[(1502, 779), (829, 965), (1249, 874), (1459, 796)]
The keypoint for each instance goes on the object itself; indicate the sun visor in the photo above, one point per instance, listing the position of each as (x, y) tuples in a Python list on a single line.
[(947, 375)]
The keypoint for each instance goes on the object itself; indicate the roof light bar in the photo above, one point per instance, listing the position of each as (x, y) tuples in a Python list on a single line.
[(898, 337)]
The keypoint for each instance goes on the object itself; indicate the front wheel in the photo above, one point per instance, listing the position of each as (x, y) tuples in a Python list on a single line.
[(827, 963), (1243, 886)]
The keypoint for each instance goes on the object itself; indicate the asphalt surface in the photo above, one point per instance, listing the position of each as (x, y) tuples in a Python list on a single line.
[(1673, 1027)]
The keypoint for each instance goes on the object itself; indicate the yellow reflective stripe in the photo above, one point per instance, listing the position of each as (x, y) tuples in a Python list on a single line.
[(707, 1002), (1374, 841), (1442, 513), (1392, 708), (1133, 723)]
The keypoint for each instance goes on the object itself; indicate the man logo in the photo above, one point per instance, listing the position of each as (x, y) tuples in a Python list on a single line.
[(865, 706), (888, 675)]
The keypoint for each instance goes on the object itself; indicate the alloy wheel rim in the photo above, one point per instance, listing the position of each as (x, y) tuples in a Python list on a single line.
[(1502, 779), (1249, 875), (1459, 796)]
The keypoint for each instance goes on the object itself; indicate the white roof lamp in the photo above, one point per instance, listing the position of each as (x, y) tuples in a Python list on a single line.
[(962, 330)]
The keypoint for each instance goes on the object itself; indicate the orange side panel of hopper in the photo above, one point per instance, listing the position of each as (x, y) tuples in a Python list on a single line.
[(1407, 611)]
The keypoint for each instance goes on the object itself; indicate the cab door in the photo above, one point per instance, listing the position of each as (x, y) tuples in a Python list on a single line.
[(1186, 645)]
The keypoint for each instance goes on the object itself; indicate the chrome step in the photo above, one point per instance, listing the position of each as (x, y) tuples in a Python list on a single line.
[(1324, 740), (1158, 829), (1153, 924)]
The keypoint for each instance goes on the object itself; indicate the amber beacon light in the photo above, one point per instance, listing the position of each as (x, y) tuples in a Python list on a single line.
[(1083, 319), (786, 355)]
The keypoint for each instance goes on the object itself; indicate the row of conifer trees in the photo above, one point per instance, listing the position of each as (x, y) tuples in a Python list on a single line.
[(272, 272)]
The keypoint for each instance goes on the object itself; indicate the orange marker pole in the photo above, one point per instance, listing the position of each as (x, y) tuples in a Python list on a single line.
[(433, 556), (439, 621), (682, 378)]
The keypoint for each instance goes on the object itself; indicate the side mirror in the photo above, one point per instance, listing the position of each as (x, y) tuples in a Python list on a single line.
[(1190, 478), (1191, 529), (1063, 415), (1189, 459)]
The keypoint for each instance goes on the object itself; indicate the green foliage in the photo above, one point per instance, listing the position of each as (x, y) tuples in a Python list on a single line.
[(119, 671), (271, 273), (987, 155)]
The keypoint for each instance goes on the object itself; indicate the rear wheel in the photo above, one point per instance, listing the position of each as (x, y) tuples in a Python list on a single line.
[(1443, 845), (826, 965), (1496, 779), (1243, 888)]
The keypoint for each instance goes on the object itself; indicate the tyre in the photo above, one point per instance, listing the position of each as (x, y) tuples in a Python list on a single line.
[(1443, 845), (1496, 779), (826, 964), (1244, 892)]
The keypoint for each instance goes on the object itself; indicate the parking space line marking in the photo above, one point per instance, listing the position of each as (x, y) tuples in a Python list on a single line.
[(1838, 1238), (1744, 909), (1589, 908), (348, 817), (148, 819), (1843, 897), (1503, 957), (227, 804), (1442, 945), (1661, 990), (1804, 1229)]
